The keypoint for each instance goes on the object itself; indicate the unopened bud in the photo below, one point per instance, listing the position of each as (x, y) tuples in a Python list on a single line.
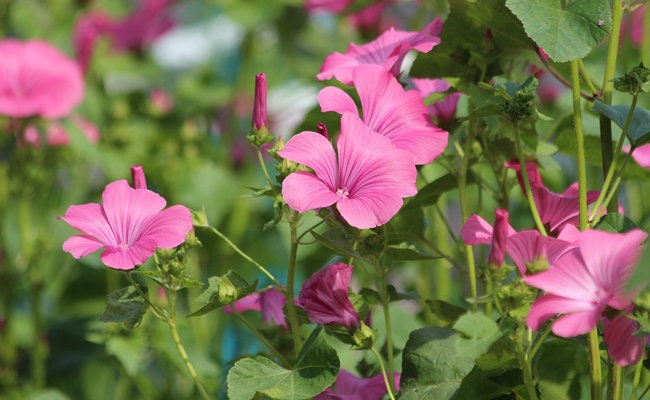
[(137, 174)]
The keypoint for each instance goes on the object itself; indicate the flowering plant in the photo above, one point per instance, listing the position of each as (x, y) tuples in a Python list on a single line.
[(446, 199)]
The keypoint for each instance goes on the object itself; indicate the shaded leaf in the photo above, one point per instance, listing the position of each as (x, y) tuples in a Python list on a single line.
[(338, 241), (616, 223), (564, 34), (316, 368), (444, 311), (126, 305), (223, 290), (430, 194), (639, 130)]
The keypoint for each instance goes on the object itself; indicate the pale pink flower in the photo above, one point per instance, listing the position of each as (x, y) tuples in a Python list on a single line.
[(325, 297), (586, 280), (623, 345), (350, 387), (367, 180), (36, 79), (129, 225), (390, 111), (555, 209), (268, 302), (443, 111), (387, 51)]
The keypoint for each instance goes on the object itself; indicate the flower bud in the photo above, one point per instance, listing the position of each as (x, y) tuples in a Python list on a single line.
[(137, 173), (259, 127)]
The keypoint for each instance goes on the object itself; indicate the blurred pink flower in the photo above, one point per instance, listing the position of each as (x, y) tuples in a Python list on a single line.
[(632, 25), (325, 297), (387, 51), (36, 79), (390, 111), (129, 225), (134, 32), (549, 89), (641, 155), (585, 281), (555, 210), (623, 344), (367, 182), (161, 101), (56, 134), (444, 111), (268, 302), (350, 387)]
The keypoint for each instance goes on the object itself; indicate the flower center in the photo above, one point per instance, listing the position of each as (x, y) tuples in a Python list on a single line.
[(123, 246), (342, 193)]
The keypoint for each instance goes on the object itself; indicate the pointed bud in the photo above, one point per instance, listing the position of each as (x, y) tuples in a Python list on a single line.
[(137, 173), (499, 238), (259, 127), (322, 129)]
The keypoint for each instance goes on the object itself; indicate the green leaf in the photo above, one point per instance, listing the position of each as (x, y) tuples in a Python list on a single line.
[(444, 311), (561, 365), (564, 34), (616, 223), (430, 194), (639, 130), (316, 368), (410, 249), (338, 241), (223, 290), (502, 356), (479, 333), (431, 365), (478, 386), (126, 305)]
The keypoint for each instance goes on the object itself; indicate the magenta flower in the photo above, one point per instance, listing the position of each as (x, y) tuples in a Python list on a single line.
[(325, 297), (623, 345), (350, 387), (129, 225), (555, 210), (268, 302), (390, 111), (259, 105), (476, 230), (367, 182), (387, 51), (443, 111), (585, 281), (36, 79)]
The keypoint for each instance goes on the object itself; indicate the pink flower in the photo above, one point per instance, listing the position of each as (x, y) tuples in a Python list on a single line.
[(623, 345), (585, 281), (390, 111), (268, 302), (325, 297), (529, 248), (351, 387), (259, 105), (87, 31), (56, 134), (129, 225), (36, 79), (367, 182), (633, 25), (478, 231), (444, 111), (555, 210), (387, 51), (641, 155), (161, 101)]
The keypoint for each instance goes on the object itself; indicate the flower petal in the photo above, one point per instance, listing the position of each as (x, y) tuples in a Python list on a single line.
[(125, 259), (623, 346), (169, 227), (82, 245), (550, 305), (334, 99), (316, 152), (90, 219), (304, 191)]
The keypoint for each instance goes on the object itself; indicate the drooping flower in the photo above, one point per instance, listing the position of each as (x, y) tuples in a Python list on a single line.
[(443, 111), (36, 79), (387, 51), (268, 302), (555, 210), (350, 387), (390, 111), (367, 181), (623, 345), (476, 230), (325, 297), (585, 281), (129, 225)]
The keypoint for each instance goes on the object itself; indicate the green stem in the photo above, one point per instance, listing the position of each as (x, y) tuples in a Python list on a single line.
[(525, 364), (524, 175), (387, 381), (40, 350), (260, 158), (540, 341), (637, 379), (261, 337), (462, 197), (580, 142), (244, 255), (607, 189), (157, 311), (607, 153), (587, 79), (289, 293), (171, 321), (383, 293), (596, 372), (615, 382)]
